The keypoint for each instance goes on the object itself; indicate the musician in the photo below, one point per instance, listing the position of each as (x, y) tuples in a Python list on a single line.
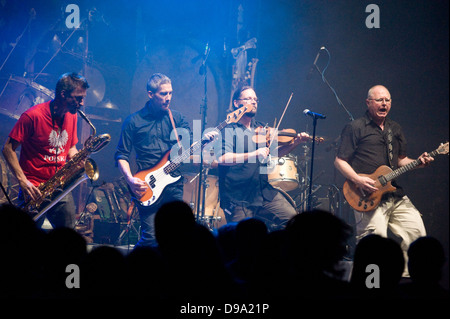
[(366, 144), (148, 131), (47, 135), (243, 181)]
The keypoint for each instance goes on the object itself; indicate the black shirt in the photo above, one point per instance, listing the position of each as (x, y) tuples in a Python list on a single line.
[(243, 184), (365, 146), (149, 133)]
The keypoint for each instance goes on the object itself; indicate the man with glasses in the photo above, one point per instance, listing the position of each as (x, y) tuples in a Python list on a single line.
[(47, 134), (366, 144), (243, 181)]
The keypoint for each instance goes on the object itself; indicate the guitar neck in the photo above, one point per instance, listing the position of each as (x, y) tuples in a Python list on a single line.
[(176, 162), (399, 171)]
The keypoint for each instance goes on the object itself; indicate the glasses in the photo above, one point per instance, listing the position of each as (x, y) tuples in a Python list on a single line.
[(381, 100), (248, 99)]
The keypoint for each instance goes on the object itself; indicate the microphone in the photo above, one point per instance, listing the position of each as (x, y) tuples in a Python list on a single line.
[(309, 76), (314, 114), (206, 49)]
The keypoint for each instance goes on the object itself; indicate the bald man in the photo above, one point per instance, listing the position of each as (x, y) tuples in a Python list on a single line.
[(366, 144)]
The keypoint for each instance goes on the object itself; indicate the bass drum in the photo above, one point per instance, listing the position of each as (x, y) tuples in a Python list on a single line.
[(19, 94), (214, 217)]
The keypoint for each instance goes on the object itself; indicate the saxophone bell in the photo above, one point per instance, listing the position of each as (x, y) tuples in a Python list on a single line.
[(91, 169)]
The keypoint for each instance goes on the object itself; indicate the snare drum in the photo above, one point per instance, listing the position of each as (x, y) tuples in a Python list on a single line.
[(283, 172)]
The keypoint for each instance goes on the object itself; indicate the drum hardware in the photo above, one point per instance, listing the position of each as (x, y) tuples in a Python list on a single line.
[(8, 183), (109, 218), (213, 216), (85, 223), (302, 198), (130, 226), (6, 194)]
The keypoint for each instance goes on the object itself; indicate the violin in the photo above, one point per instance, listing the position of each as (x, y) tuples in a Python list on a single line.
[(266, 135)]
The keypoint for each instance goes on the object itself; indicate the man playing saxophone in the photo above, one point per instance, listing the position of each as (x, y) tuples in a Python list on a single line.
[(47, 135)]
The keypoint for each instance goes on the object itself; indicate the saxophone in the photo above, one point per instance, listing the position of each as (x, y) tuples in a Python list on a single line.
[(75, 171)]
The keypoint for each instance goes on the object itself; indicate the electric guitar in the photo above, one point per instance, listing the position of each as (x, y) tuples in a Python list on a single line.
[(363, 201), (159, 176)]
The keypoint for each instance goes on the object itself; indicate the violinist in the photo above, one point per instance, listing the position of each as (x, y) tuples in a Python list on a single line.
[(244, 188)]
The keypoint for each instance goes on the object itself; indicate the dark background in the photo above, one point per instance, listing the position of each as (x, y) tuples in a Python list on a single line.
[(129, 40)]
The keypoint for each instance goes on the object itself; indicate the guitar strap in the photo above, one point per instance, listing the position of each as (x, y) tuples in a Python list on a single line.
[(390, 147), (174, 128)]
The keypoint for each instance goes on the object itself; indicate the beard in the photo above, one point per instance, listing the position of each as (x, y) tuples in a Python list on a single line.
[(251, 114), (73, 110)]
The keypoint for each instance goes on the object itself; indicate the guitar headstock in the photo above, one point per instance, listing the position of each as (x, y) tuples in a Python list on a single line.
[(442, 149), (235, 116)]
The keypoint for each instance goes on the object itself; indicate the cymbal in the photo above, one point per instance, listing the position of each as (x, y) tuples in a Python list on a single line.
[(106, 104), (97, 85)]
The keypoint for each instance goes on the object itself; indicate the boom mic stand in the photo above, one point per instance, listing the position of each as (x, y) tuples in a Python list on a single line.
[(331, 88), (350, 118)]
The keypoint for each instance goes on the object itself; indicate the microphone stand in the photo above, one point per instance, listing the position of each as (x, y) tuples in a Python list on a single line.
[(312, 163), (345, 109), (203, 111), (331, 88)]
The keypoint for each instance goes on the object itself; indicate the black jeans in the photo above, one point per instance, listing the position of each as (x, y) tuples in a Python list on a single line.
[(62, 214), (275, 213), (147, 214)]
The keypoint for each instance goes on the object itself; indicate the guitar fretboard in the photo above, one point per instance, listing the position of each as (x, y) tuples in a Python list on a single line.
[(176, 162), (399, 171)]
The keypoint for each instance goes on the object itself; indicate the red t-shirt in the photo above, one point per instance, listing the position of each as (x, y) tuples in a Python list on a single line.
[(44, 145)]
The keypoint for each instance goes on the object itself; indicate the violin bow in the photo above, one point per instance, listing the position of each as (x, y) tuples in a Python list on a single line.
[(281, 119)]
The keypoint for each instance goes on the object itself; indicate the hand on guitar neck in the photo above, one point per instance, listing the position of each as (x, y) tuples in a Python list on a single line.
[(364, 192)]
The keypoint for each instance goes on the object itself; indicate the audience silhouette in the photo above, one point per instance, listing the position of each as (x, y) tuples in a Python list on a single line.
[(238, 262), (426, 259), (378, 265), (316, 242)]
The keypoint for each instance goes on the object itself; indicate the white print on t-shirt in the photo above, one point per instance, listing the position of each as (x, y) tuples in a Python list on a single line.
[(57, 143)]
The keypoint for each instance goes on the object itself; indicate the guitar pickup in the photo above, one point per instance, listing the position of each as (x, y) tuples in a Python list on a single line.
[(382, 180), (152, 181)]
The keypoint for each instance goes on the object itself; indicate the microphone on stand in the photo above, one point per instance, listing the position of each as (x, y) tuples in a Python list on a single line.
[(314, 114), (309, 76)]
